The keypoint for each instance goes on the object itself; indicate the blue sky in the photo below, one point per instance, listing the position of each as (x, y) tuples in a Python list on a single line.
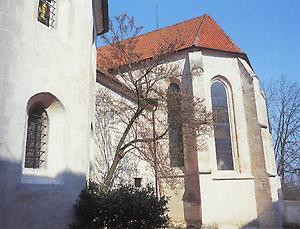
[(267, 30)]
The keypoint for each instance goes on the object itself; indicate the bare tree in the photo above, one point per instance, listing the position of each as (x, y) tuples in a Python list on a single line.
[(144, 114), (107, 133), (283, 102)]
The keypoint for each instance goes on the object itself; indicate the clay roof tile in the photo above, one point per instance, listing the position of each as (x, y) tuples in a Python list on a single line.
[(202, 32)]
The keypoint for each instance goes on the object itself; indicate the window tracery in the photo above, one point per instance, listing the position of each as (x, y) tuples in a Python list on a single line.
[(222, 130)]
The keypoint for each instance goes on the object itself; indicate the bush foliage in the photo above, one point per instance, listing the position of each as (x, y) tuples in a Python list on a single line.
[(123, 207)]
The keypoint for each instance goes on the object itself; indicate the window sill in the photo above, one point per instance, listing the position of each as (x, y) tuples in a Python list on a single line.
[(231, 175), (38, 176), (36, 172), (272, 174), (205, 172)]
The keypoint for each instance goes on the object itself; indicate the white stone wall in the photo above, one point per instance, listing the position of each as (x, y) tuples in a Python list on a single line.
[(265, 129), (131, 166), (224, 67), (61, 61), (228, 197)]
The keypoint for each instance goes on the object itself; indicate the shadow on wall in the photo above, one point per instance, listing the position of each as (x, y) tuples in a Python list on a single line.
[(292, 213), (36, 206), (270, 218)]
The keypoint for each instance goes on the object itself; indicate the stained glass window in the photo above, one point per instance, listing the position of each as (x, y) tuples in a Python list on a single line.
[(222, 127)]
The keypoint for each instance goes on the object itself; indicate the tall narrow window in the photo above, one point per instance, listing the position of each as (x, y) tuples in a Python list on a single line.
[(37, 130), (137, 182), (222, 127), (46, 12), (175, 126)]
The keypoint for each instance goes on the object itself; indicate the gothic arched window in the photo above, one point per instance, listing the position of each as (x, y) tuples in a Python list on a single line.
[(36, 140), (175, 126), (222, 130)]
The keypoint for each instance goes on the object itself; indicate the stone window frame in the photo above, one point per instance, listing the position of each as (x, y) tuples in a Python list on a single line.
[(232, 124), (54, 166)]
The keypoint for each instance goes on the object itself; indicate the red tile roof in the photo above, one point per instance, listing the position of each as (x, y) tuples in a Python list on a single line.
[(202, 32)]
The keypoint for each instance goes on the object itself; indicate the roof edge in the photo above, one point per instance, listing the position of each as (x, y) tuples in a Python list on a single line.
[(199, 29), (111, 82), (227, 36), (165, 27)]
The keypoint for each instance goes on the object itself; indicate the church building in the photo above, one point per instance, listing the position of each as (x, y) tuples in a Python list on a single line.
[(231, 183), (49, 75)]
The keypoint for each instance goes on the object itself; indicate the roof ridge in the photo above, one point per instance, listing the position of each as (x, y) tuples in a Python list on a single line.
[(166, 27), (198, 31), (227, 36)]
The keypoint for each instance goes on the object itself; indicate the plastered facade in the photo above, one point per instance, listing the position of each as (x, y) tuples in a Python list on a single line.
[(292, 212), (248, 196), (40, 63), (108, 131), (230, 199)]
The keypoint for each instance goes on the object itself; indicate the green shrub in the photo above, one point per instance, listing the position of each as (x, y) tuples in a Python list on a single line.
[(123, 207)]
